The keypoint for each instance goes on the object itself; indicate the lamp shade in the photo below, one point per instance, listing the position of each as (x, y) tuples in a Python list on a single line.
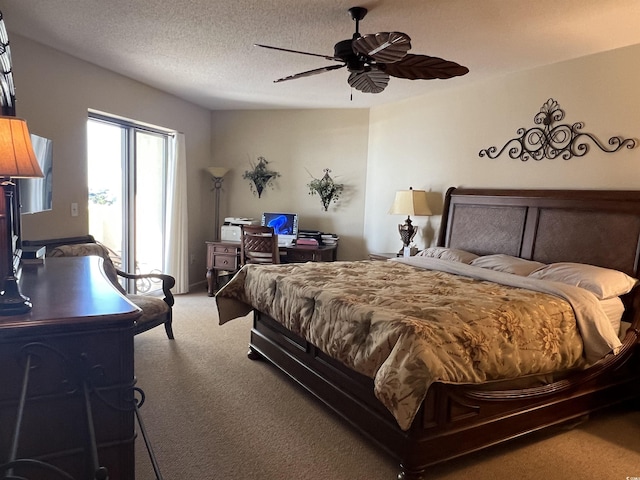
[(217, 172), (17, 158), (410, 202)]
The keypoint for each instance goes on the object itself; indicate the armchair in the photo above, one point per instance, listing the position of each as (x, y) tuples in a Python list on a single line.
[(155, 311)]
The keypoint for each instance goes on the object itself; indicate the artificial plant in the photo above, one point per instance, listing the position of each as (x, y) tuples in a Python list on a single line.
[(260, 176)]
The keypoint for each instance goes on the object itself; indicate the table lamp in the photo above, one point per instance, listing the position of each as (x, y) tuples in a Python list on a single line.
[(17, 160), (217, 175), (409, 202)]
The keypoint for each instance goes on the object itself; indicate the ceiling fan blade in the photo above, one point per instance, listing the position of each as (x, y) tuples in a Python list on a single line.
[(372, 81), (308, 73), (326, 57), (423, 67), (385, 47)]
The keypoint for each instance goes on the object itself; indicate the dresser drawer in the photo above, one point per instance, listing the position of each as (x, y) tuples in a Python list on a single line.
[(300, 256), (225, 262), (225, 249)]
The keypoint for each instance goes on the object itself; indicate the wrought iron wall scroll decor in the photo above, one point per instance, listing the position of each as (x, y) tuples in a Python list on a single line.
[(552, 141)]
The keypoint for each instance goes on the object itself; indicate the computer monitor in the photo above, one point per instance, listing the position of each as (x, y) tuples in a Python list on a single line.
[(285, 225)]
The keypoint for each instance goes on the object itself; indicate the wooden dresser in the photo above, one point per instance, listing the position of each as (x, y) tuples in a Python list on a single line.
[(78, 343)]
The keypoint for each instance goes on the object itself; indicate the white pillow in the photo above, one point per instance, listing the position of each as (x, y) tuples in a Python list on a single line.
[(507, 263), (613, 309), (602, 282), (451, 254)]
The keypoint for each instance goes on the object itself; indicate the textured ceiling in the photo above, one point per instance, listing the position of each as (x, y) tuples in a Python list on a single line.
[(202, 50)]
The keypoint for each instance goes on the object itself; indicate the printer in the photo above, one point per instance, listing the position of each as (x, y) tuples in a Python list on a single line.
[(230, 230)]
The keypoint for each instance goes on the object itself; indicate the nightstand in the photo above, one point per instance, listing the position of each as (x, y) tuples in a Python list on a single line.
[(221, 256), (382, 256)]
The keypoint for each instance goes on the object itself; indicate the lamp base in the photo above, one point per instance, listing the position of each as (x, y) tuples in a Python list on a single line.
[(407, 232), (407, 251), (12, 302)]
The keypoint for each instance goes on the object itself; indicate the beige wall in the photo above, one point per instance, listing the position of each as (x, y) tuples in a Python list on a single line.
[(297, 144), (54, 93), (432, 142)]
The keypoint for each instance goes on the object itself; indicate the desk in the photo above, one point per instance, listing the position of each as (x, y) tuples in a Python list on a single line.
[(226, 256)]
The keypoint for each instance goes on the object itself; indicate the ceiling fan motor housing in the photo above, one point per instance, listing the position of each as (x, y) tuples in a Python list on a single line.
[(344, 51)]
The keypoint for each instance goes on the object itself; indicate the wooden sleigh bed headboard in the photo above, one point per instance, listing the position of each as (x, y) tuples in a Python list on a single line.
[(600, 228)]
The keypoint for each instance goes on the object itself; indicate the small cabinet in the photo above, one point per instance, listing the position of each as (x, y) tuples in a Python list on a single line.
[(220, 257)]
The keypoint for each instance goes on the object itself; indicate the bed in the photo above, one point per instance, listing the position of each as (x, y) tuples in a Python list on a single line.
[(599, 228)]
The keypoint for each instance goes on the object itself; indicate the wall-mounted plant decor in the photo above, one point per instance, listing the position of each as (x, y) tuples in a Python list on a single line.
[(552, 141), (260, 176), (326, 188)]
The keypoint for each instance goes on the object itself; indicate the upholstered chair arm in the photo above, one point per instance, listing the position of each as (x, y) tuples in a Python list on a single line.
[(168, 282)]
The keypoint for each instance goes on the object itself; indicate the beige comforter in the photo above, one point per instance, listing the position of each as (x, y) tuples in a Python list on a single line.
[(406, 327)]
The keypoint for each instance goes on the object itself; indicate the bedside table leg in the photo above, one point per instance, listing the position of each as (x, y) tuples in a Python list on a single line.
[(211, 282)]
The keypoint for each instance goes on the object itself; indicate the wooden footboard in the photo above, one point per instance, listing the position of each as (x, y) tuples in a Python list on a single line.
[(454, 419)]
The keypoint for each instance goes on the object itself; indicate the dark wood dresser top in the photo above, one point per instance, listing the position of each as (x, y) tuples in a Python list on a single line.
[(69, 291)]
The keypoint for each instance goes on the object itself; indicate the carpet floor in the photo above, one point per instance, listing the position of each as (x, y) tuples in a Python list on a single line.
[(213, 414)]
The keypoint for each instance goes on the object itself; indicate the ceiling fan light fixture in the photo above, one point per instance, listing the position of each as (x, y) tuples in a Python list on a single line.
[(354, 65)]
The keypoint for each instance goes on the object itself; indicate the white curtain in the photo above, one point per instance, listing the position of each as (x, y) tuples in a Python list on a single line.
[(176, 249)]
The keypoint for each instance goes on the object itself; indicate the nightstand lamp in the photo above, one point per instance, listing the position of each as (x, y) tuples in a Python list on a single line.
[(409, 202), (17, 160), (217, 175)]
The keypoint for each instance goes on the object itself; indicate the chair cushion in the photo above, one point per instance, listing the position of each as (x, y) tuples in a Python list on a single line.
[(153, 308)]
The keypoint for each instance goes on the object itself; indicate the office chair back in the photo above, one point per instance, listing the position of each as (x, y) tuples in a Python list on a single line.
[(258, 244)]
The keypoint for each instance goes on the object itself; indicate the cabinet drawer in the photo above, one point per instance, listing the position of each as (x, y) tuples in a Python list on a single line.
[(300, 256), (225, 249), (225, 262)]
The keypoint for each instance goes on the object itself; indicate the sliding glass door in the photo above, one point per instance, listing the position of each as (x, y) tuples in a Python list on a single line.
[(127, 172)]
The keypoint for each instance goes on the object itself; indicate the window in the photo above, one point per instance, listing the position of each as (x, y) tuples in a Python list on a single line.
[(127, 164)]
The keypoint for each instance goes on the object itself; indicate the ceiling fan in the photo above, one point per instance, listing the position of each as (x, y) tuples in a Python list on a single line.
[(372, 58)]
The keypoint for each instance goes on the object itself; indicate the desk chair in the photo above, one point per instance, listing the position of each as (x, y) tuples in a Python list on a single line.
[(155, 311), (258, 245)]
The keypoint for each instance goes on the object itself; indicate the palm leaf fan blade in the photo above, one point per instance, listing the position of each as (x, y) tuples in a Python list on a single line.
[(309, 73), (384, 47), (423, 67), (373, 81), (328, 57)]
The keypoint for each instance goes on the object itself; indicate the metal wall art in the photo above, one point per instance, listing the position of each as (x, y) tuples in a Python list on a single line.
[(326, 188), (553, 141), (260, 176)]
